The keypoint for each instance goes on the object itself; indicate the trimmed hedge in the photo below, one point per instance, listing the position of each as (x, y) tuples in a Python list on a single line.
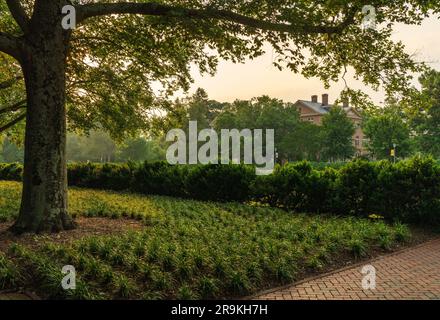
[(101, 176), (160, 178), (220, 182), (408, 191), (210, 182), (11, 171), (297, 187)]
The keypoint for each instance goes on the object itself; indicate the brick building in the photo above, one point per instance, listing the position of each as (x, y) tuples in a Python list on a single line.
[(313, 111)]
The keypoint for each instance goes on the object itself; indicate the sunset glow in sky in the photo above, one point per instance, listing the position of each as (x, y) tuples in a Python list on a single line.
[(260, 77)]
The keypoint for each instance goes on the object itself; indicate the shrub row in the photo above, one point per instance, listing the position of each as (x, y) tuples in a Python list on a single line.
[(211, 182), (408, 191), (11, 171)]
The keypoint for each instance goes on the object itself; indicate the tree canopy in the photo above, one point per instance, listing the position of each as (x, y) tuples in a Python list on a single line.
[(261, 113), (337, 136), (12, 97), (388, 129), (126, 58), (426, 121)]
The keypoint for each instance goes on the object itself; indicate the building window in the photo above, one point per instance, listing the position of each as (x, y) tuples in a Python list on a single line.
[(357, 142)]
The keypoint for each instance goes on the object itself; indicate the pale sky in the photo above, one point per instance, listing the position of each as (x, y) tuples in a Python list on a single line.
[(259, 77)]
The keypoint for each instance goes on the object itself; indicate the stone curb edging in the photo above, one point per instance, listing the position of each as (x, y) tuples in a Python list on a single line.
[(25, 293)]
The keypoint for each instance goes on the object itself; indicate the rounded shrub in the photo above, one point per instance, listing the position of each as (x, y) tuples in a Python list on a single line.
[(220, 182)]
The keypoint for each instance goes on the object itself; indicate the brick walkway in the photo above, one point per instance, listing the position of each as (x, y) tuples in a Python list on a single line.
[(410, 274)]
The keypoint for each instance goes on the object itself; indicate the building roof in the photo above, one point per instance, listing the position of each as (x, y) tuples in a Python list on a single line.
[(319, 108), (316, 106)]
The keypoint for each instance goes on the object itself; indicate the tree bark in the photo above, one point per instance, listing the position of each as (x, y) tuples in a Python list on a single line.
[(44, 196)]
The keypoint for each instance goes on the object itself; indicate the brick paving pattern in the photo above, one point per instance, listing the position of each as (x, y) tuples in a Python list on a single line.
[(413, 274)]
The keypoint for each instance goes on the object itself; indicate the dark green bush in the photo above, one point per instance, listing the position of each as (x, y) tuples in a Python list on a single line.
[(78, 174), (220, 182), (100, 176), (295, 187), (408, 191), (357, 188), (11, 171), (160, 178)]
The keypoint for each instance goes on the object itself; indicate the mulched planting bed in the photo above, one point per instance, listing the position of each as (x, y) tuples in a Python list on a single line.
[(129, 246)]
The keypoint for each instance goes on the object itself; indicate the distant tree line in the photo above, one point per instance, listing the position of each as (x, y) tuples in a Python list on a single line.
[(97, 146), (412, 129), (294, 138), (408, 130)]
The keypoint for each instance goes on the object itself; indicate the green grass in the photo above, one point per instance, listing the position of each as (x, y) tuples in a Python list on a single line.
[(9, 276), (188, 249)]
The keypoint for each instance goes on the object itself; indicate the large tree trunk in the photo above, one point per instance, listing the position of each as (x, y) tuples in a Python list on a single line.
[(44, 197)]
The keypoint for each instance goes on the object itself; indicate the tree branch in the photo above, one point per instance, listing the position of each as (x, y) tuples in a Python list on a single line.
[(10, 45), (13, 122), (15, 107), (18, 14), (10, 82), (155, 9)]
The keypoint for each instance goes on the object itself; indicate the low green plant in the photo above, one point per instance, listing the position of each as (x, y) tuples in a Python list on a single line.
[(358, 247), (9, 275), (401, 232), (407, 191), (193, 249)]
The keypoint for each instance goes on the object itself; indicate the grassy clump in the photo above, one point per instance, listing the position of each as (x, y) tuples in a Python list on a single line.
[(42, 272), (406, 191), (9, 276), (190, 249)]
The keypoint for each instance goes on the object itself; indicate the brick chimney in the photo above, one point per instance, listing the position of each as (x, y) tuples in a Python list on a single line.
[(315, 99), (325, 99)]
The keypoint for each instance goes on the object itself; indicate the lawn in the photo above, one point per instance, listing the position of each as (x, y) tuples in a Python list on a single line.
[(183, 249)]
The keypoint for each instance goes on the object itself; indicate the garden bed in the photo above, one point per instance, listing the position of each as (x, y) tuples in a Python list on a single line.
[(130, 246)]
